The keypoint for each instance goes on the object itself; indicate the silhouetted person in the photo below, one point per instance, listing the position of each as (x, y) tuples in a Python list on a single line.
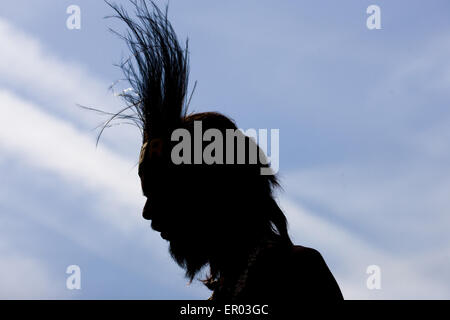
[(219, 215)]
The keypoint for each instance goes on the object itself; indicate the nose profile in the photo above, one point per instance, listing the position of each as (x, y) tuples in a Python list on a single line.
[(146, 211), (157, 224)]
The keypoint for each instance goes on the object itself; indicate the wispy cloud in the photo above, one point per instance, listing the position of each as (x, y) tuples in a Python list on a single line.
[(27, 67), (41, 140), (348, 256), (389, 191)]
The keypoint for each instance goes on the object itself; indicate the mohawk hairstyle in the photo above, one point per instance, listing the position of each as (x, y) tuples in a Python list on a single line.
[(157, 70)]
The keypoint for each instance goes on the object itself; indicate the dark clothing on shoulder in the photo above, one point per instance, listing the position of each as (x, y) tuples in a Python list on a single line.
[(286, 273)]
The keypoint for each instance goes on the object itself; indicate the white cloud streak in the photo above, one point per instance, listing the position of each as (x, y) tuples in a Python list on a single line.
[(348, 257), (25, 63)]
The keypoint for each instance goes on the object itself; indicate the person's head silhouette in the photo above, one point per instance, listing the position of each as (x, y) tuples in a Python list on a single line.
[(212, 214), (209, 200)]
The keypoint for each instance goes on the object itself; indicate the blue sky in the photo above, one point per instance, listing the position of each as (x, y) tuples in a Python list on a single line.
[(364, 130)]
